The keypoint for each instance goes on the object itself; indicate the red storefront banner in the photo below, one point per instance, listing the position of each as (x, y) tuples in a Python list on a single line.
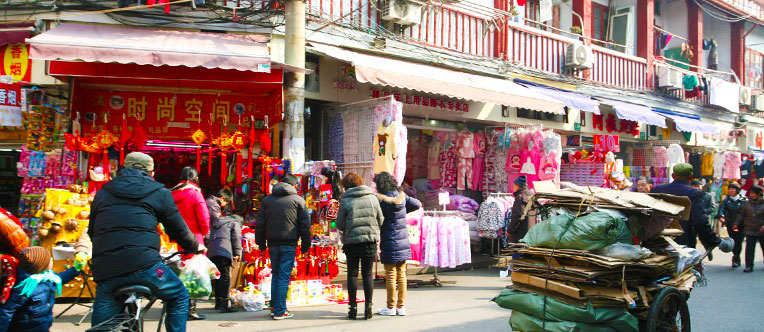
[(171, 116), (16, 62), (607, 143)]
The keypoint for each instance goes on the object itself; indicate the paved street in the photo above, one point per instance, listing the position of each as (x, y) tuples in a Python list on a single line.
[(731, 302)]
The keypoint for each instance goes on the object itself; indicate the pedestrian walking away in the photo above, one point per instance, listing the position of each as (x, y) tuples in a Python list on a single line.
[(394, 240), (358, 220), (282, 221)]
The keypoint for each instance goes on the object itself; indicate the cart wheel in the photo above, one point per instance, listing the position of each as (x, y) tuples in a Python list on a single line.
[(669, 312)]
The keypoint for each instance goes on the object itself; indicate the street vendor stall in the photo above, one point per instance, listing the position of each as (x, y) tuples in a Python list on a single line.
[(602, 260)]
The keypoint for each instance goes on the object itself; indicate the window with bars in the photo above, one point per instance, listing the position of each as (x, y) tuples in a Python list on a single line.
[(753, 68)]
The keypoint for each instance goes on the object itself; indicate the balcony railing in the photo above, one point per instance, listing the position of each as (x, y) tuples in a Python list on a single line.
[(454, 29), (545, 51)]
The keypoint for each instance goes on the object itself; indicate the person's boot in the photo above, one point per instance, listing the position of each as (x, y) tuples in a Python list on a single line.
[(218, 303), (368, 311), (226, 307), (748, 269), (192, 314), (352, 310)]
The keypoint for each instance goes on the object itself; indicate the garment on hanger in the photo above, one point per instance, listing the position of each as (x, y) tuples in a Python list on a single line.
[(401, 143), (719, 158), (478, 164), (675, 154), (660, 156), (707, 164), (447, 162), (385, 148), (758, 167), (731, 168)]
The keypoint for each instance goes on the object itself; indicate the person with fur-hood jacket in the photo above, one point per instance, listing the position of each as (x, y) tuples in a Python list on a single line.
[(394, 243)]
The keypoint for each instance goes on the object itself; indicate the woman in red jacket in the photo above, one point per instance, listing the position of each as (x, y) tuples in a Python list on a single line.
[(191, 204), (193, 208)]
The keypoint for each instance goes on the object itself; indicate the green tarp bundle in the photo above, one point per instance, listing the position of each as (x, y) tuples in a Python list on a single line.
[(528, 308), (593, 231)]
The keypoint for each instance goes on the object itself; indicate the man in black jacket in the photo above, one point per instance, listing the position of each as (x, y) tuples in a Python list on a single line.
[(123, 227), (698, 225), (283, 219), (518, 226)]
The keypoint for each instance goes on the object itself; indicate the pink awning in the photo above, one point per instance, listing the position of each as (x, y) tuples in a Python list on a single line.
[(105, 43)]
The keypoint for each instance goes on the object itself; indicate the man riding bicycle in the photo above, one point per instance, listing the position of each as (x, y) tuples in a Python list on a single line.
[(123, 227)]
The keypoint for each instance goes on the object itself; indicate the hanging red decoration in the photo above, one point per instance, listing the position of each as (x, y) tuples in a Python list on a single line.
[(238, 140), (124, 136), (139, 136), (251, 147), (225, 143), (199, 137), (265, 141), (72, 143), (105, 139)]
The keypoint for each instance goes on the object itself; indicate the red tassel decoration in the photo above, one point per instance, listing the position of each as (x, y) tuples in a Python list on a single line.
[(209, 162), (105, 162), (252, 136), (238, 170), (199, 159), (223, 169)]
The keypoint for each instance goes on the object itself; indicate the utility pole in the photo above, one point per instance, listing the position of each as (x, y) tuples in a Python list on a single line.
[(294, 120)]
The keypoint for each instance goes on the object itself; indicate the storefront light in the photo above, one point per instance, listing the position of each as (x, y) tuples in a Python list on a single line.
[(433, 122)]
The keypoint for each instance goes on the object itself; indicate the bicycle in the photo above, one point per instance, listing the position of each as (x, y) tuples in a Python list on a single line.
[(130, 317)]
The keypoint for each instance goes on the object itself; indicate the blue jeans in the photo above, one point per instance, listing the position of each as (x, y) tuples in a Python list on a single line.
[(282, 262), (164, 284)]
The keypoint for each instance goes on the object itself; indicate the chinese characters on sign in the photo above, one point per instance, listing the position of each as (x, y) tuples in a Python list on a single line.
[(16, 62), (10, 105), (172, 116), (426, 101)]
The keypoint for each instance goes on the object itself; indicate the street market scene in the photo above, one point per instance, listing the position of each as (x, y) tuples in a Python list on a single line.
[(444, 165)]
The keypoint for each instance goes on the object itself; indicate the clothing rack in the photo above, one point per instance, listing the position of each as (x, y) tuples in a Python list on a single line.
[(435, 281)]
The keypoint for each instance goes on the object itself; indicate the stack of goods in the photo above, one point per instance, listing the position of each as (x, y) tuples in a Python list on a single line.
[(42, 170), (597, 269), (583, 173), (319, 263)]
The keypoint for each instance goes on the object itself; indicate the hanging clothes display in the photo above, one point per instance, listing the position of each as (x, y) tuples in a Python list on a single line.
[(495, 173), (478, 164), (445, 241), (466, 153), (731, 168), (447, 160), (385, 148)]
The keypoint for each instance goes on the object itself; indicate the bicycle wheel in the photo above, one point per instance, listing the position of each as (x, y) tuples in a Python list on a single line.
[(668, 312)]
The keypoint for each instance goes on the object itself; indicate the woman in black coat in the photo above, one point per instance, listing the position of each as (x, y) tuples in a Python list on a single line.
[(394, 242)]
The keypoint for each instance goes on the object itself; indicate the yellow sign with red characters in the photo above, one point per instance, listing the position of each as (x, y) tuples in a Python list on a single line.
[(16, 62)]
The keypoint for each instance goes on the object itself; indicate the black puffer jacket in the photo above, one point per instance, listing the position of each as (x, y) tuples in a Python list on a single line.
[(394, 245), (283, 219), (123, 224)]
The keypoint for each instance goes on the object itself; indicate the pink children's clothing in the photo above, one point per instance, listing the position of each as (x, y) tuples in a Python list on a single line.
[(731, 168), (465, 144), (660, 156), (414, 227), (448, 168), (478, 164), (548, 166), (433, 156), (463, 173)]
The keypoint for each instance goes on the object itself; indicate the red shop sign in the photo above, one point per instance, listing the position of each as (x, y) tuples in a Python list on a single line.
[(168, 115), (606, 143), (16, 62)]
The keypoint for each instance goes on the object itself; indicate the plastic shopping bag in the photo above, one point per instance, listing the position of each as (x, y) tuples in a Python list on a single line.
[(197, 274)]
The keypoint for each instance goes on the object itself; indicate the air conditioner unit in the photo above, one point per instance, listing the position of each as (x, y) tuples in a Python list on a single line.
[(403, 12), (579, 56), (745, 95), (758, 103), (669, 78)]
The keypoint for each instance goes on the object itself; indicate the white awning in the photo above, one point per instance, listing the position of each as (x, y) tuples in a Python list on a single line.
[(430, 79)]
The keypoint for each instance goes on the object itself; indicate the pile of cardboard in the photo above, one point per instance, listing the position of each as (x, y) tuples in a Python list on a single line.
[(580, 278)]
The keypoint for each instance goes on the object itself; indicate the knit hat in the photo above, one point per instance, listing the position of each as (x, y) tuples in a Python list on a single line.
[(139, 160), (34, 260), (521, 181), (683, 169), (734, 185)]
